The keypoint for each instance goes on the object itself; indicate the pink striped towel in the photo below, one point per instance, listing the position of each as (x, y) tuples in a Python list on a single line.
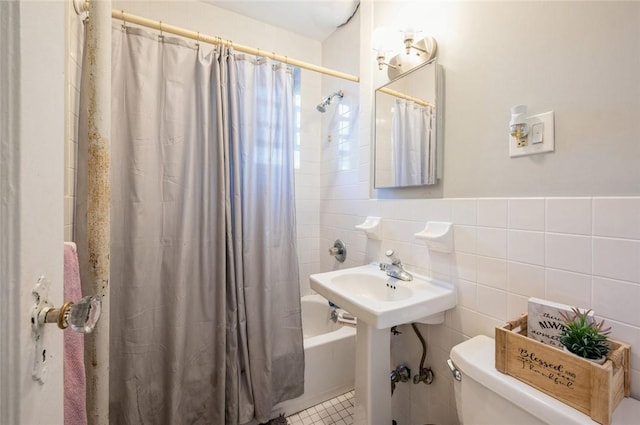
[(75, 412)]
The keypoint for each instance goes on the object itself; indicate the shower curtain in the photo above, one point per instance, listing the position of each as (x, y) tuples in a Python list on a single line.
[(205, 305), (413, 144)]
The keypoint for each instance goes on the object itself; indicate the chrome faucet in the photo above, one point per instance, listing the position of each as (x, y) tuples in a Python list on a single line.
[(395, 269)]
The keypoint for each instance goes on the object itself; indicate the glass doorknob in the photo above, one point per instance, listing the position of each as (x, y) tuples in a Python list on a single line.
[(83, 315)]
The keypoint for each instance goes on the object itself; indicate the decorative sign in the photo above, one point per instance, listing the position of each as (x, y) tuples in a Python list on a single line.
[(544, 321), (555, 371)]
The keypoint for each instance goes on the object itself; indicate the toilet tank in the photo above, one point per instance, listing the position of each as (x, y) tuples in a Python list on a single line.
[(487, 396)]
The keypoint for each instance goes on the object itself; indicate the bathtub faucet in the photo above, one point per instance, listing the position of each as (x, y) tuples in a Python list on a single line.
[(395, 268)]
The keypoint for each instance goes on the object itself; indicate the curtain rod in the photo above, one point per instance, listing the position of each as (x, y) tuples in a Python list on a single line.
[(401, 95), (163, 27)]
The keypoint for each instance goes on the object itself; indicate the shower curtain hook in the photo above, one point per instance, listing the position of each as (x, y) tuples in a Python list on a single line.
[(198, 40), (161, 34), (124, 21)]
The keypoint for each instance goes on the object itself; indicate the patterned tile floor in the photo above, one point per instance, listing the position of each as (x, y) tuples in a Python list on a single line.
[(337, 411)]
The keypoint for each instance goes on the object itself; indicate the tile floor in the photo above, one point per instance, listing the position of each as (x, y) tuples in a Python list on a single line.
[(337, 411)]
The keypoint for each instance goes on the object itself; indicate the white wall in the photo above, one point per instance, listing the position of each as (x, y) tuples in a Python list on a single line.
[(581, 249), (580, 59)]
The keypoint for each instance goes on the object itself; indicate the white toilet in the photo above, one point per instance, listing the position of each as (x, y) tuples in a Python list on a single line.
[(486, 396)]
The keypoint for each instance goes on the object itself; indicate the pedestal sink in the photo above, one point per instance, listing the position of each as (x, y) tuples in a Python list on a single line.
[(380, 302)]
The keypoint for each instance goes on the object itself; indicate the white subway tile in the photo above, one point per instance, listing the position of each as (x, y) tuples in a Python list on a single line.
[(516, 305), (568, 252), (464, 211), (467, 294), (400, 230), (616, 217), (617, 259), (526, 247), (441, 264), (492, 272), (526, 214), (568, 215), (492, 302), (526, 279), (625, 333), (437, 209), (492, 242), (616, 300), (464, 266), (492, 212), (568, 288), (465, 238)]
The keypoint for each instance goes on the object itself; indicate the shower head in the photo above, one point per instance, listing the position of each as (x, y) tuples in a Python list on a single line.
[(322, 107)]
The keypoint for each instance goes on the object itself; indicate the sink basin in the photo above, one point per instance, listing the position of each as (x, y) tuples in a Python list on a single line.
[(375, 287), (382, 301)]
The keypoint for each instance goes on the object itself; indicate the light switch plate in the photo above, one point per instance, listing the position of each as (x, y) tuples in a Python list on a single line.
[(548, 139)]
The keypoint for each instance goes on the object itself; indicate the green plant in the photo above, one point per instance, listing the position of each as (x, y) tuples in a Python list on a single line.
[(583, 336)]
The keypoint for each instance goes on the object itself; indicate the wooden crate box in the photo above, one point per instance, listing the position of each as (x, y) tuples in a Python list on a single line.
[(593, 389)]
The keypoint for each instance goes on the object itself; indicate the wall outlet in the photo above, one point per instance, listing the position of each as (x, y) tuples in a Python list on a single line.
[(541, 136)]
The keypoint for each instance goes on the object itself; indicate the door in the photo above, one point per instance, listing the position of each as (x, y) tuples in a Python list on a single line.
[(32, 102)]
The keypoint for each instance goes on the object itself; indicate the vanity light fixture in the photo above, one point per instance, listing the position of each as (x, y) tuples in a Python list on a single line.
[(381, 57), (383, 43), (386, 44), (425, 46)]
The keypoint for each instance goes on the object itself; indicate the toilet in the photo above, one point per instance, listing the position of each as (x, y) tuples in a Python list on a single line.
[(484, 395)]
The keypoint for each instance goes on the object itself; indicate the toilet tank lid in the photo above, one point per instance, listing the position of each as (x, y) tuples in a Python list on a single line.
[(475, 358)]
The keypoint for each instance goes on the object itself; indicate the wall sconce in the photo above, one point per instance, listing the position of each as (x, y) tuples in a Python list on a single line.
[(426, 45), (381, 57), (386, 42), (383, 41), (518, 127)]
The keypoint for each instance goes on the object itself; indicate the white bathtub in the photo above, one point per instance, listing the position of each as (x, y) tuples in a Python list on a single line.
[(329, 352)]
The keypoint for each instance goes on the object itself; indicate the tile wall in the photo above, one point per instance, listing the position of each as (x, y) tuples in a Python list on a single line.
[(578, 251), (74, 41)]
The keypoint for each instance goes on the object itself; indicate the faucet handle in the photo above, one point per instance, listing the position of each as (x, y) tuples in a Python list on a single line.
[(393, 257)]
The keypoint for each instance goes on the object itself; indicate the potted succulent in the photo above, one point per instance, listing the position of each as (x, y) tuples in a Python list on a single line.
[(585, 337)]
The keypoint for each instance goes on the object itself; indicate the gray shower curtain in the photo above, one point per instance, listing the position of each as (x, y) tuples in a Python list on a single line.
[(205, 306)]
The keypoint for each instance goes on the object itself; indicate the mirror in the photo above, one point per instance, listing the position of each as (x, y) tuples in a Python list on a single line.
[(406, 148)]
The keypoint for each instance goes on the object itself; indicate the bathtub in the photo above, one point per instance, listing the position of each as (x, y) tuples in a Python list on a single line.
[(329, 352)]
